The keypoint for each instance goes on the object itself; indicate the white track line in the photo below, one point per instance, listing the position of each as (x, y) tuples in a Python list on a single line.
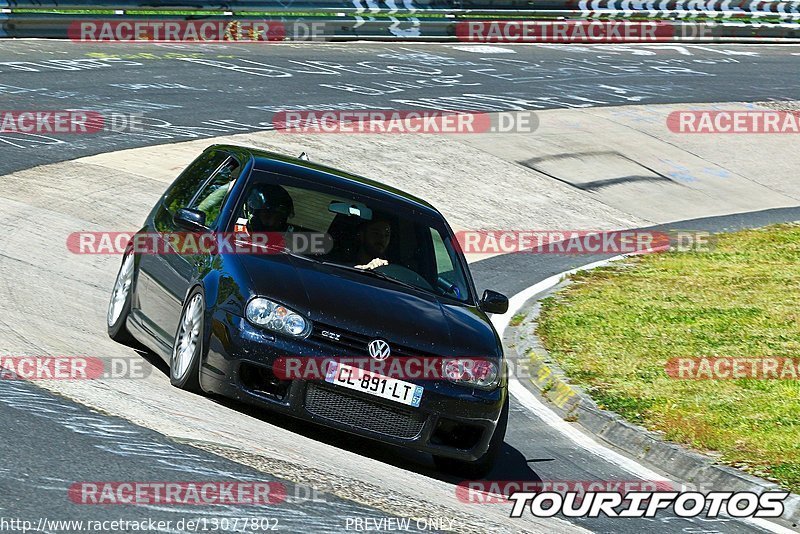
[(571, 432)]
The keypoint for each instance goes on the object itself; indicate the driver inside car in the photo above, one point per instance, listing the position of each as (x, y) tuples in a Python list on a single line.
[(269, 208), (373, 242)]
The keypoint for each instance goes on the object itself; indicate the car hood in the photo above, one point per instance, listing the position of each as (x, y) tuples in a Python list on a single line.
[(371, 307)]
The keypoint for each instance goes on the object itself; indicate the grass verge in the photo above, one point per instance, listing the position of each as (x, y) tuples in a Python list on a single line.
[(614, 329)]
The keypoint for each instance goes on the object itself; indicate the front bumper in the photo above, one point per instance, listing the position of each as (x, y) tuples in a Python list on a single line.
[(451, 421)]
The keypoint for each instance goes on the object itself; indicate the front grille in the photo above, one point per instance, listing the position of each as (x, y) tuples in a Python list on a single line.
[(353, 411), (356, 344)]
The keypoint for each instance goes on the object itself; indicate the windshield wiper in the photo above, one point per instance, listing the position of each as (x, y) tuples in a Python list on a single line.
[(281, 250), (375, 274)]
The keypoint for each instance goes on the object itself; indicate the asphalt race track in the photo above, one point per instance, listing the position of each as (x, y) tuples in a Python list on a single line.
[(189, 92), (195, 92)]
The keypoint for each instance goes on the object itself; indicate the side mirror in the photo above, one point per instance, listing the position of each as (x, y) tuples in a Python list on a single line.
[(493, 302), (190, 219)]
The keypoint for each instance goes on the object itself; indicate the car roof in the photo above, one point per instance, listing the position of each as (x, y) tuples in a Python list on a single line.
[(265, 160)]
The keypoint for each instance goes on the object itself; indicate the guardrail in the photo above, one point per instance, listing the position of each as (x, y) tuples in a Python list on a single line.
[(434, 20), (243, 6)]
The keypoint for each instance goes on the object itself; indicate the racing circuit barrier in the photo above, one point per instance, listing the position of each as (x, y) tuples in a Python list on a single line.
[(494, 21)]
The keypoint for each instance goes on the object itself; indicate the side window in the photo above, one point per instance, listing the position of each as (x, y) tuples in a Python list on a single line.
[(445, 267), (181, 192), (210, 199)]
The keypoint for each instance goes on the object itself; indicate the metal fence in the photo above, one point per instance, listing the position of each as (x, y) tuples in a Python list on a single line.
[(442, 20), (244, 6)]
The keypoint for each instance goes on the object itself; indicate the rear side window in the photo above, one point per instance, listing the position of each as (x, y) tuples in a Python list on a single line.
[(183, 190)]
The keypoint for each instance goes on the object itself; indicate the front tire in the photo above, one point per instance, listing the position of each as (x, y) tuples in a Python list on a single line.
[(184, 367), (482, 466), (120, 305)]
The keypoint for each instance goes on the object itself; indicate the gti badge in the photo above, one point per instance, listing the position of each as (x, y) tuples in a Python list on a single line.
[(330, 335), (379, 349)]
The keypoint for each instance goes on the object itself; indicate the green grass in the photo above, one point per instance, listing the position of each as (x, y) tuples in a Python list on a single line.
[(614, 329), (517, 319)]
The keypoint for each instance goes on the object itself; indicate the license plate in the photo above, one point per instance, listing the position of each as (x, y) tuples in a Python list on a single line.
[(374, 384)]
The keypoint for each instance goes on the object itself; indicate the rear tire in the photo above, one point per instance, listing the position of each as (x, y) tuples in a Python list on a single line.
[(120, 305), (184, 366), (482, 466)]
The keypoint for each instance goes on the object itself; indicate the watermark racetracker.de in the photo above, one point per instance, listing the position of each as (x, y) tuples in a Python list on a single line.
[(383, 121), (246, 30), (573, 241), (181, 493), (203, 523), (583, 31), (68, 122), (733, 368), (16, 367), (189, 243), (500, 491), (734, 122)]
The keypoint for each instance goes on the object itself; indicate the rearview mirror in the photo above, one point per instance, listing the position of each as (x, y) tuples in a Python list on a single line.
[(493, 302), (190, 219), (353, 209)]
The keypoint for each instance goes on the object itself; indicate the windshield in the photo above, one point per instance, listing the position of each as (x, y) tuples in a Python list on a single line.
[(358, 233)]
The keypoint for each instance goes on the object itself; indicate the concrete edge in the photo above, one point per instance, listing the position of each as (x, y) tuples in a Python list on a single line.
[(547, 380)]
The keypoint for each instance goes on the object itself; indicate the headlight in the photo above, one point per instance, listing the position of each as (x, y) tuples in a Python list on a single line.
[(473, 372), (271, 315)]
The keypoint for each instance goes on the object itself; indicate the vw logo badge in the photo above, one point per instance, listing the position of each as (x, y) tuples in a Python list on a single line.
[(379, 349)]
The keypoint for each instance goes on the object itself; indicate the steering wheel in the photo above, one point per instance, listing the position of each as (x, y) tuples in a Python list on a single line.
[(404, 274)]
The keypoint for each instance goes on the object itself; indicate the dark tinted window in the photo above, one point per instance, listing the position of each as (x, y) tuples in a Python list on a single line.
[(213, 195), (451, 278), (366, 234), (181, 192)]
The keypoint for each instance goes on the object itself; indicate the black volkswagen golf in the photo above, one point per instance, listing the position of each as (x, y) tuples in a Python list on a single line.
[(361, 273)]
